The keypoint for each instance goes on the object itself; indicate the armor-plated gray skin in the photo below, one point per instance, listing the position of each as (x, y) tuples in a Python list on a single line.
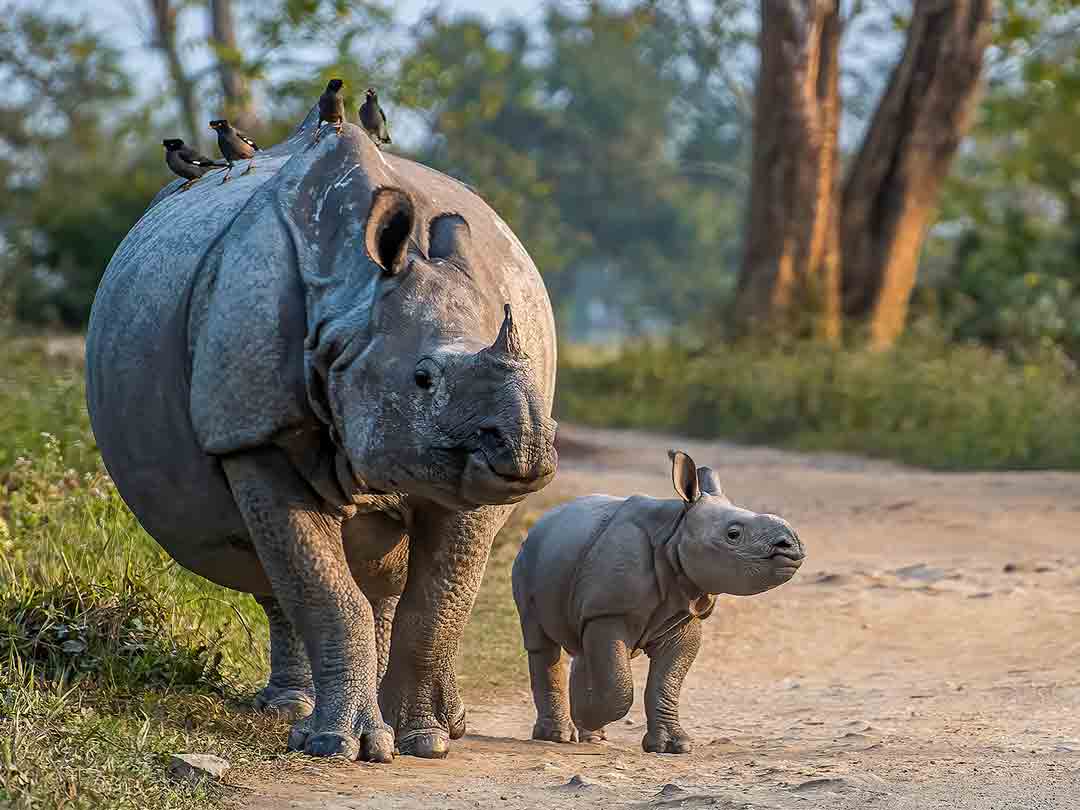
[(605, 578), (326, 384)]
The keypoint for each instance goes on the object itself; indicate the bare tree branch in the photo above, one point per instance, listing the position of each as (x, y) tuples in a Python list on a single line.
[(164, 15), (234, 88)]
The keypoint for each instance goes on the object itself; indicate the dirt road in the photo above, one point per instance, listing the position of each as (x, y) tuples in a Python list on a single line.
[(926, 656)]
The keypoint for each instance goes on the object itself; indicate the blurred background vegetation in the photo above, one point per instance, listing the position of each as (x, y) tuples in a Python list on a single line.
[(874, 184)]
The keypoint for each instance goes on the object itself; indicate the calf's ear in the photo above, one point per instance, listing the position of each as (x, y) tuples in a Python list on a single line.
[(684, 476), (708, 481)]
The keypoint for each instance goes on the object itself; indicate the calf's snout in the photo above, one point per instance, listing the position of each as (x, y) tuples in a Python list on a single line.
[(787, 544)]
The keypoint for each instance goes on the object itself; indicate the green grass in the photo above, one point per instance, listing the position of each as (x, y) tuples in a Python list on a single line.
[(924, 403), (112, 657)]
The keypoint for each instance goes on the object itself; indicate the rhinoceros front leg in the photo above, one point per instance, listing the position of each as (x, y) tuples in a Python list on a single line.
[(419, 696), (669, 661), (298, 540), (289, 692), (601, 683)]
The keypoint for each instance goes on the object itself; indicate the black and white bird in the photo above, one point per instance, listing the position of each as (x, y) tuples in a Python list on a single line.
[(234, 146), (331, 107), (373, 119), (187, 162)]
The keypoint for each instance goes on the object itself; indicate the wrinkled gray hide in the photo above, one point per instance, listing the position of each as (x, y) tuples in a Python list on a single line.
[(605, 578), (307, 386)]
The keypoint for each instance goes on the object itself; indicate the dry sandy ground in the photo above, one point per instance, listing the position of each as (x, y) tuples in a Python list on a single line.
[(926, 656)]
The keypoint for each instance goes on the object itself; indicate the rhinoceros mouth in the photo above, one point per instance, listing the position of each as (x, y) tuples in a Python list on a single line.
[(482, 484), (471, 480)]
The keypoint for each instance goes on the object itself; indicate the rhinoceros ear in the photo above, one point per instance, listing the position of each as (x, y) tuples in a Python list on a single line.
[(449, 237), (684, 476), (708, 482), (389, 225)]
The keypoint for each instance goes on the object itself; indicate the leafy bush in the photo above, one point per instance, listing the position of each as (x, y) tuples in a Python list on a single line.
[(924, 402)]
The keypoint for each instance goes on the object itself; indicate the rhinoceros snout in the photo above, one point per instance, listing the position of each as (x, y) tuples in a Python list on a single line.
[(513, 457), (505, 468)]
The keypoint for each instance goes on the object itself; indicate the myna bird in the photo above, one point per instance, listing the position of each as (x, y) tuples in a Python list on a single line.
[(373, 119), (187, 162), (331, 107), (234, 146)]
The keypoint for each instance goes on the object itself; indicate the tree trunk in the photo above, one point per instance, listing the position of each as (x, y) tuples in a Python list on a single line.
[(238, 108), (164, 14), (789, 282), (893, 184)]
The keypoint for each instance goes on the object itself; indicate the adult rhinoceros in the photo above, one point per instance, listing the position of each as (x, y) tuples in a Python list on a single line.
[(314, 382)]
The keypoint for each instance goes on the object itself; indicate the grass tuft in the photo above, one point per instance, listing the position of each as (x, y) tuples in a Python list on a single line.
[(120, 638)]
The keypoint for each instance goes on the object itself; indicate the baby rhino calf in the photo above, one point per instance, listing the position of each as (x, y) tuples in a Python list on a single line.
[(605, 578)]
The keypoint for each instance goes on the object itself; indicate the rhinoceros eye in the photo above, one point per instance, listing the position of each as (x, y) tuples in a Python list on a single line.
[(426, 374), (734, 531)]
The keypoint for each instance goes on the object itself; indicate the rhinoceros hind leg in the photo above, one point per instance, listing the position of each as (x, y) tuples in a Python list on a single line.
[(384, 610), (596, 735), (547, 672), (289, 693)]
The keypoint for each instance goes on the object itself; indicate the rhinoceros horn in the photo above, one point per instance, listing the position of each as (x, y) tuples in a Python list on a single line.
[(508, 342)]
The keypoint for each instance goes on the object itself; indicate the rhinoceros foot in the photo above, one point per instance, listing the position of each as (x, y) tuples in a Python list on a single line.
[(667, 740), (369, 741), (288, 704), (597, 735), (431, 743), (552, 730)]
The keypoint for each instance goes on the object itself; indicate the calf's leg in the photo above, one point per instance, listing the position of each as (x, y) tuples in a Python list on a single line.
[(669, 661), (547, 675), (601, 684)]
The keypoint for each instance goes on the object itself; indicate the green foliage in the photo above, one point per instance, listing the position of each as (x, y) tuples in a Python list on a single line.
[(73, 164), (585, 145), (924, 402), (1013, 280)]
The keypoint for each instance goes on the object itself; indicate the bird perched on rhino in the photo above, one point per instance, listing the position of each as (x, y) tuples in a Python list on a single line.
[(331, 107), (373, 119), (234, 146), (186, 162)]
